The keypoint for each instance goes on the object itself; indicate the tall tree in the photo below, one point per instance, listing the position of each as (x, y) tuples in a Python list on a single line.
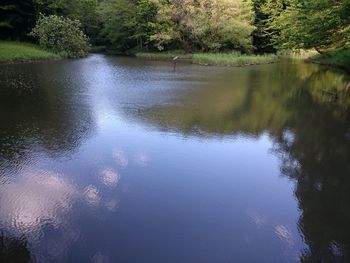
[(189, 24), (127, 23), (265, 11), (318, 24), (17, 17), (206, 24)]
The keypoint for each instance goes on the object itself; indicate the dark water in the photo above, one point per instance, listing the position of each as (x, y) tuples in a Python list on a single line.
[(110, 159)]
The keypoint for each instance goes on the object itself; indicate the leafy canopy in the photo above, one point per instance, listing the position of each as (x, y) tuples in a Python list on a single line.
[(319, 24), (207, 25)]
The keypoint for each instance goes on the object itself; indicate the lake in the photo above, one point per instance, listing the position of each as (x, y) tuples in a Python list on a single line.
[(117, 159)]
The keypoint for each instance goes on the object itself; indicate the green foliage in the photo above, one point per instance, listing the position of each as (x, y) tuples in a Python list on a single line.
[(61, 35), (83, 10), (165, 54), (17, 17), (191, 25), (220, 59), (15, 51), (86, 12), (127, 24), (118, 18), (336, 57), (297, 53), (49, 7), (319, 24), (207, 25), (262, 36)]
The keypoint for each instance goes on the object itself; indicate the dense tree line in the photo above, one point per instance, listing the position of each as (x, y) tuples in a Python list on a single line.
[(319, 24), (188, 24), (18, 17), (192, 25)]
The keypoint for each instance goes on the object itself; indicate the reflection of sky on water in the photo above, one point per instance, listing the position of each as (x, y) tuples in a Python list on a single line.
[(109, 177), (132, 186), (141, 159), (41, 197), (120, 158), (102, 186), (36, 203), (91, 195)]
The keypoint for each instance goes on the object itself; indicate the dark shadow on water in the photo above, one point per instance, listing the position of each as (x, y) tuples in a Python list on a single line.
[(14, 250), (40, 110)]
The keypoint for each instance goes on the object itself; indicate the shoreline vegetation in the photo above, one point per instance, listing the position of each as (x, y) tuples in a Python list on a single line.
[(336, 58), (333, 58), (213, 59), (229, 35), (339, 58), (11, 51), (233, 59)]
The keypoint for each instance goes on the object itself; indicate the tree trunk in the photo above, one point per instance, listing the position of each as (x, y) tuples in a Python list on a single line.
[(323, 54)]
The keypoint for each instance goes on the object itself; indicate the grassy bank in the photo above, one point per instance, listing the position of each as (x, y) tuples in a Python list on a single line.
[(232, 59), (337, 58), (17, 51), (219, 59)]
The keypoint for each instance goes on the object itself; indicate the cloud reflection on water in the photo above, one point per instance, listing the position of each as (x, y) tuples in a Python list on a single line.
[(120, 157), (141, 159), (284, 234), (37, 197), (109, 177), (37, 204), (91, 195)]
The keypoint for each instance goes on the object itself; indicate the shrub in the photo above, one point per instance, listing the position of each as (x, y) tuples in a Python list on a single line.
[(62, 35)]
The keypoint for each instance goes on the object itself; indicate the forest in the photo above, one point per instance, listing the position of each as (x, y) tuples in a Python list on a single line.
[(128, 26)]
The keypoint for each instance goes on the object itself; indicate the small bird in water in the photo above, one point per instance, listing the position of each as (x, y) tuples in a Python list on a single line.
[(175, 60)]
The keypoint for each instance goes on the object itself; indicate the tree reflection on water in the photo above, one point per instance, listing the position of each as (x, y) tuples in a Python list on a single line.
[(306, 111)]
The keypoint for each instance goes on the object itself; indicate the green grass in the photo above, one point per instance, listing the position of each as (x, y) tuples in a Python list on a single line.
[(219, 59), (19, 51), (338, 57), (232, 59)]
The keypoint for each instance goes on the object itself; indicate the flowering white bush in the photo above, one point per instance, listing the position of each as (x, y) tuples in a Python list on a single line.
[(62, 35)]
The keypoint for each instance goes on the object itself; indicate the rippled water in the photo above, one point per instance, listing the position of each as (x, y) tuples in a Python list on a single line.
[(111, 159)]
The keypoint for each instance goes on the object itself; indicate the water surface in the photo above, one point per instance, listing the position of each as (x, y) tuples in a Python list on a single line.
[(111, 159)]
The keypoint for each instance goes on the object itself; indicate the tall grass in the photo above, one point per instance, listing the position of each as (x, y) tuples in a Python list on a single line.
[(17, 51), (232, 59)]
